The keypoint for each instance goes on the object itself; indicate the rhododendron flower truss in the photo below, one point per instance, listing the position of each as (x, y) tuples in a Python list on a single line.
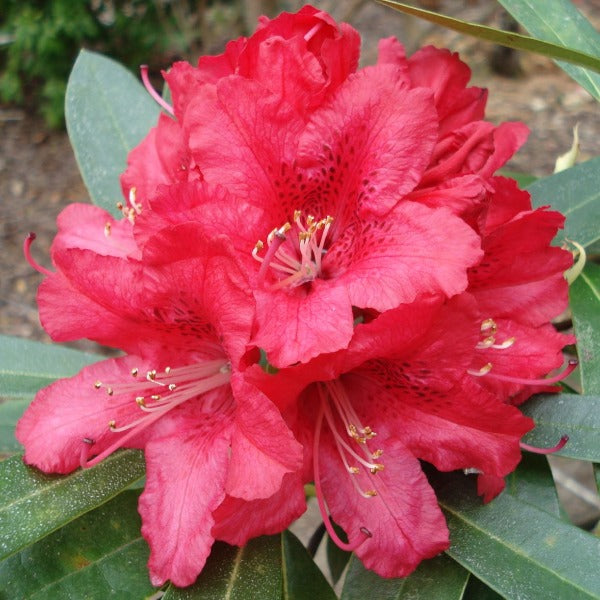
[(183, 313), (321, 201), (400, 392)]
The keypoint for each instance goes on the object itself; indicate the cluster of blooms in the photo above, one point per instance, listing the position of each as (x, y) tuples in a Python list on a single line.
[(347, 227)]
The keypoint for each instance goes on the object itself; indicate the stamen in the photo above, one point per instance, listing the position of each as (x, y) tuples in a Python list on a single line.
[(561, 444), (155, 95), (107, 229), (320, 498), (192, 381), (483, 371), (571, 366), (308, 36), (27, 252)]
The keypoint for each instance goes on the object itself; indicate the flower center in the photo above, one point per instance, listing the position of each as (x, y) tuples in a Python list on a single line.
[(155, 395), (294, 251)]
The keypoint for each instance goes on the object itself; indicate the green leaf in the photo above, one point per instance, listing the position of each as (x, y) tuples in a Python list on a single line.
[(584, 295), (517, 549), (574, 192), (477, 590), (302, 579), (439, 578), (564, 25), (504, 38), (108, 112), (231, 573), (100, 555), (11, 411), (337, 559), (28, 366), (558, 414), (532, 482), (33, 504)]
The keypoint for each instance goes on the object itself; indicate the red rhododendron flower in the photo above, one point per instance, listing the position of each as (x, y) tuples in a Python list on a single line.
[(184, 315), (399, 393), (348, 223)]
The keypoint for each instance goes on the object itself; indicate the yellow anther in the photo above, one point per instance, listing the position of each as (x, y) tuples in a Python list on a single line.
[(304, 236), (376, 468), (141, 401), (109, 391), (120, 206), (107, 229), (167, 370), (112, 424), (371, 493), (134, 372), (354, 470), (155, 397), (377, 453), (151, 375), (297, 215), (98, 385), (259, 246), (489, 324), (172, 386), (310, 219)]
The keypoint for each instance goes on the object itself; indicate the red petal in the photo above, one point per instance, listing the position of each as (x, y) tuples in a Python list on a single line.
[(404, 520), (375, 130), (263, 449), (185, 483), (236, 520)]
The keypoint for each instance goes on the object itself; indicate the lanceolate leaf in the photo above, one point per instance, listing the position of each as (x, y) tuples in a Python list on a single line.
[(33, 504), (564, 25), (477, 590), (302, 579), (440, 578), (100, 555), (566, 414), (11, 410), (532, 482), (504, 38), (27, 366), (231, 573), (584, 297), (574, 192), (108, 113), (337, 559), (518, 550)]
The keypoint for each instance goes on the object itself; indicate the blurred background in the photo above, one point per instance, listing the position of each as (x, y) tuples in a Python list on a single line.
[(40, 39)]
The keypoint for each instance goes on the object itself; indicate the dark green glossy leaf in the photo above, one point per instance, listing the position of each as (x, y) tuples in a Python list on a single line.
[(231, 573), (504, 38), (574, 192), (515, 548), (477, 590), (532, 482), (27, 366), (337, 559), (108, 112), (563, 25), (439, 578), (100, 555), (33, 504), (558, 414), (584, 295), (302, 579)]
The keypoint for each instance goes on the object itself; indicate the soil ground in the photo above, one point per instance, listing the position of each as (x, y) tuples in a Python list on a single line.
[(39, 176)]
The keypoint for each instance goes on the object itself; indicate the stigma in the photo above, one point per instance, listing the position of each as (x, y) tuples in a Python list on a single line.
[(294, 251)]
